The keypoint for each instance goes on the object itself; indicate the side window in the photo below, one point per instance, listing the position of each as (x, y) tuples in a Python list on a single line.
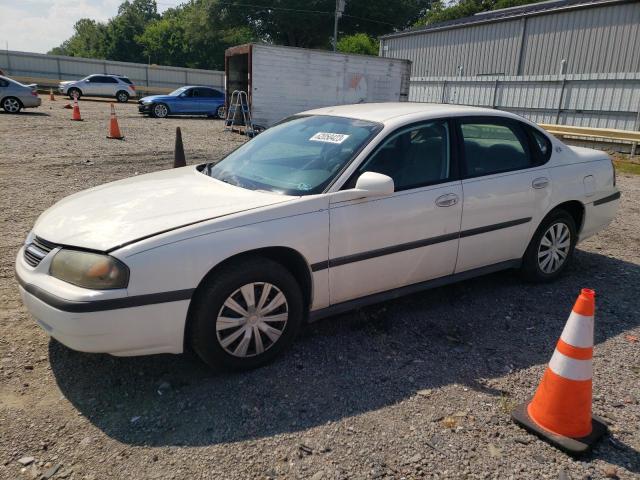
[(109, 80), (96, 79), (126, 80), (541, 145), (413, 157), (494, 147), (189, 93), (3, 83), (195, 92)]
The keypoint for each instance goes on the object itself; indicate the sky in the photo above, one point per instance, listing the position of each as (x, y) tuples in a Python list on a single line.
[(40, 25)]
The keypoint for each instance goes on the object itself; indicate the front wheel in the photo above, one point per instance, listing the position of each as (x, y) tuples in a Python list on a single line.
[(159, 110), (74, 93), (246, 315), (11, 105), (122, 97), (551, 248)]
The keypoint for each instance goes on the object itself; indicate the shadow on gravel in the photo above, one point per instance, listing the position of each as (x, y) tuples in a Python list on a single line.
[(27, 114), (352, 363)]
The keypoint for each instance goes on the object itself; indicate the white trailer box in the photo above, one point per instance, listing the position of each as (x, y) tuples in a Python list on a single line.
[(282, 81)]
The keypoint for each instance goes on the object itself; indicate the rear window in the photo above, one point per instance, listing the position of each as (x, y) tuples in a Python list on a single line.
[(126, 80)]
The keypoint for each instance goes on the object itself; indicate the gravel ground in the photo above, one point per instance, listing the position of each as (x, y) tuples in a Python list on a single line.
[(421, 387)]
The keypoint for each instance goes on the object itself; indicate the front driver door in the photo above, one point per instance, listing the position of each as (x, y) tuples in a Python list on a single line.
[(379, 244)]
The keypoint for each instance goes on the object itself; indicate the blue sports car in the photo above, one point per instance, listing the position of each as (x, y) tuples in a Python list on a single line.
[(191, 100)]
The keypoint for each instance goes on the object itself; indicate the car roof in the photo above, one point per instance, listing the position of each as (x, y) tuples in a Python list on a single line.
[(394, 111)]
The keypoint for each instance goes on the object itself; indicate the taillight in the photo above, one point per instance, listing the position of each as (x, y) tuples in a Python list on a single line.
[(34, 93), (133, 87)]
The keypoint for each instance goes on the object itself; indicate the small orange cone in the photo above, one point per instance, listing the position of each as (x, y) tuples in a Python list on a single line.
[(51, 97), (76, 110), (560, 411), (114, 129)]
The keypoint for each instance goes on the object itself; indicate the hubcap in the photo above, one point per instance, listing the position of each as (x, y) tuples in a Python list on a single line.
[(554, 247), (122, 97), (11, 105), (252, 319), (161, 110)]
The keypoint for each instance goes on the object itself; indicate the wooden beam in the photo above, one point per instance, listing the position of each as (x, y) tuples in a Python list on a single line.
[(607, 133)]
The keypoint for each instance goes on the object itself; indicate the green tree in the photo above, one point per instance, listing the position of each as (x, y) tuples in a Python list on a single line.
[(88, 40), (359, 43)]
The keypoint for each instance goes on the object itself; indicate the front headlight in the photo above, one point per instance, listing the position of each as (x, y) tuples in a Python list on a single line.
[(89, 270)]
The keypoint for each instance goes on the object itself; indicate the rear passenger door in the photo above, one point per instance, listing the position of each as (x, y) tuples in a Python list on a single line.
[(505, 187), (410, 236)]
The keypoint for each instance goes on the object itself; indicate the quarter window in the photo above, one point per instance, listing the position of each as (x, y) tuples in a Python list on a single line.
[(494, 147), (413, 157)]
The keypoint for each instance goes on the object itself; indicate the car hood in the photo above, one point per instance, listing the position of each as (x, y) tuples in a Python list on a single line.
[(67, 82), (118, 213), (158, 98)]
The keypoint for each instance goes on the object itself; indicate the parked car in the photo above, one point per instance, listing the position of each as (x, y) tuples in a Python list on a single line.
[(14, 96), (330, 210), (191, 100), (117, 86)]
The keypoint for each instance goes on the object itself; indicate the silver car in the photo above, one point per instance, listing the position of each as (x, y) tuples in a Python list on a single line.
[(106, 85), (15, 96)]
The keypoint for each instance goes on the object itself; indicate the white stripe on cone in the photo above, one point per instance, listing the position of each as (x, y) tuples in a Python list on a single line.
[(578, 331), (570, 368)]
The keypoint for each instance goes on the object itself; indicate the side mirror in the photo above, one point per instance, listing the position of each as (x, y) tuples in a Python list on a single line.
[(369, 184)]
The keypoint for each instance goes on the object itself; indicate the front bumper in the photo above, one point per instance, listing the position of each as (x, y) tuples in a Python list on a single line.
[(144, 108), (139, 330)]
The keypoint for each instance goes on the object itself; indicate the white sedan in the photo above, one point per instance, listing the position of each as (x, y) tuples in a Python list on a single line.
[(330, 210)]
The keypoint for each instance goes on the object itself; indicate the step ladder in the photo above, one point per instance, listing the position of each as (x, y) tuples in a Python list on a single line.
[(239, 114)]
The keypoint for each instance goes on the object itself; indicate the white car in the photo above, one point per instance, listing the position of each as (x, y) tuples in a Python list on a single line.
[(330, 210), (116, 86)]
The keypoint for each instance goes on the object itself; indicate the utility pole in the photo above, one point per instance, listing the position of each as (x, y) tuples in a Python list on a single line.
[(339, 11)]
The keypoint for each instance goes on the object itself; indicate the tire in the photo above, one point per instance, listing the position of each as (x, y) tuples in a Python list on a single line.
[(71, 93), (11, 105), (223, 337), (221, 112), (550, 252), (159, 110), (122, 96)]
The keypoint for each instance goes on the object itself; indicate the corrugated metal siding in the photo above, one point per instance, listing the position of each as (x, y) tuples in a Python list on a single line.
[(598, 39), (289, 80), (480, 49), (593, 40), (589, 100), (26, 64)]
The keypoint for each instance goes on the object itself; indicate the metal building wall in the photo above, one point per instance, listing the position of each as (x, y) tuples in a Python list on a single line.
[(587, 100), (594, 39)]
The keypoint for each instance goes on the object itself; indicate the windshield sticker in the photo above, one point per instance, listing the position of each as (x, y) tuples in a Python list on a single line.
[(329, 137)]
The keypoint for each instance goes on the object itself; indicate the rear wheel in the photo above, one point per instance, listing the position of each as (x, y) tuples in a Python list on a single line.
[(11, 105), (122, 96), (221, 112), (551, 248), (246, 315), (74, 92)]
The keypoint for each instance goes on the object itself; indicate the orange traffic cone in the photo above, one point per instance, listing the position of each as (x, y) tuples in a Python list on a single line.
[(560, 411), (76, 110), (51, 97), (114, 129)]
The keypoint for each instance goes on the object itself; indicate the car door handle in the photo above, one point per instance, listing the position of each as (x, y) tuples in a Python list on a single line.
[(447, 200), (541, 182)]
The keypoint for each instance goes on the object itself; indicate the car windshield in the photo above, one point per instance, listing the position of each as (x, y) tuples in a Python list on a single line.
[(299, 156), (178, 91)]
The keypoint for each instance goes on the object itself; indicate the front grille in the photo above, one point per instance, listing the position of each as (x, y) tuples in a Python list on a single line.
[(37, 250)]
